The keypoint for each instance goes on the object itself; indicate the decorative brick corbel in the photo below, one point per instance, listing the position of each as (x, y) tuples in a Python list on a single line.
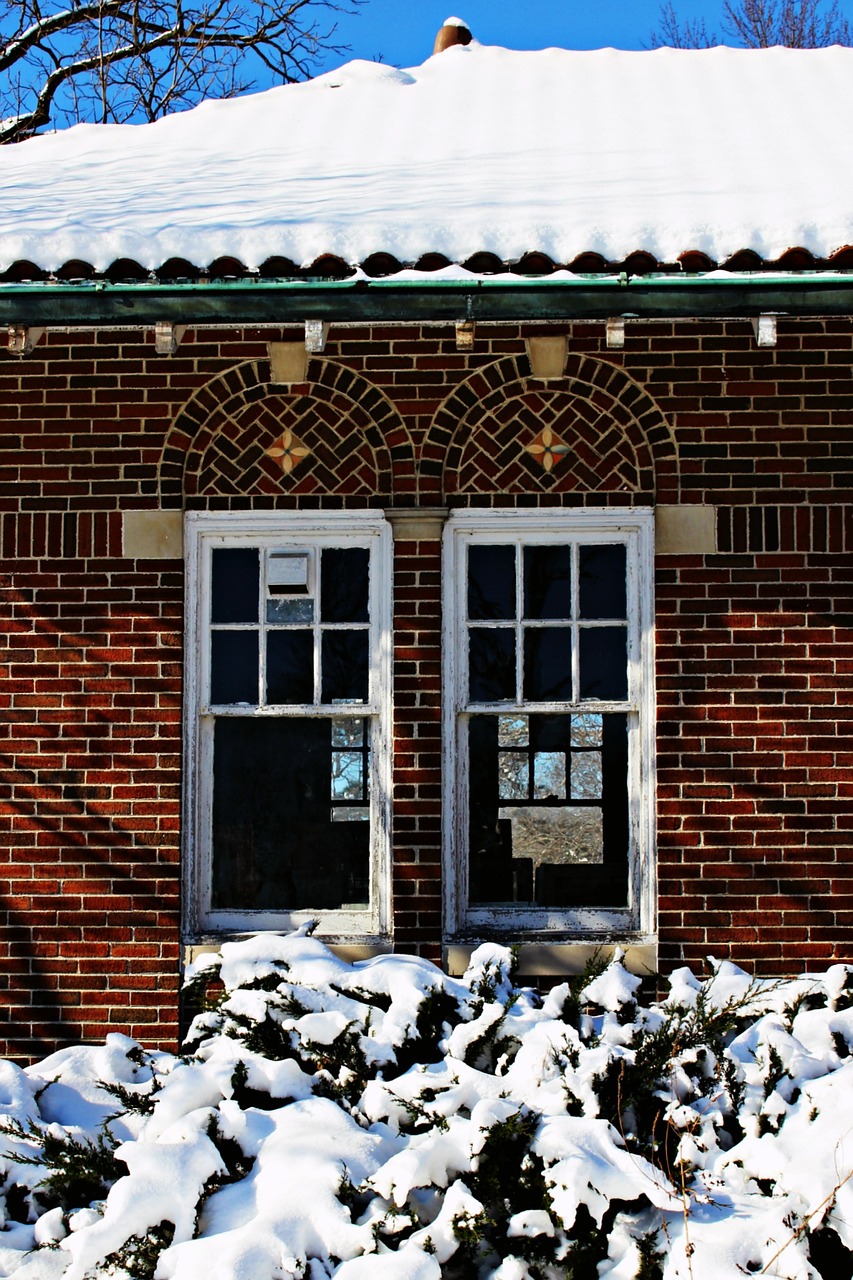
[(764, 327), (22, 339), (168, 337), (316, 333)]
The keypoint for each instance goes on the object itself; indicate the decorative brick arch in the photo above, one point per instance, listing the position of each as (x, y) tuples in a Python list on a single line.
[(592, 435), (335, 435)]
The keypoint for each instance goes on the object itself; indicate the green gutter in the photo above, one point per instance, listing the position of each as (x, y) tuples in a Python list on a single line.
[(486, 299)]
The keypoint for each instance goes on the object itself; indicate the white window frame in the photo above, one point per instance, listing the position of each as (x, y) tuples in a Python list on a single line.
[(634, 528), (294, 531)]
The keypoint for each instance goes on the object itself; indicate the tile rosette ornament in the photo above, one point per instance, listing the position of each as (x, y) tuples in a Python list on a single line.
[(288, 451), (547, 448)]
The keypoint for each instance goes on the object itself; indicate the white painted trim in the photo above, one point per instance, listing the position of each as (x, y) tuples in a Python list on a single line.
[(203, 531), (635, 527)]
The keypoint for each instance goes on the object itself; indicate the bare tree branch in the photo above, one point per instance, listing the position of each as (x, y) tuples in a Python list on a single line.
[(759, 24), (121, 60)]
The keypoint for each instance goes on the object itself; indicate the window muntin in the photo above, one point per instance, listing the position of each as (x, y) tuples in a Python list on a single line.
[(289, 799), (548, 722)]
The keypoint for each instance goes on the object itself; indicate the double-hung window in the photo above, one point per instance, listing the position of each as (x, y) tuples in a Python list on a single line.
[(549, 774), (288, 663)]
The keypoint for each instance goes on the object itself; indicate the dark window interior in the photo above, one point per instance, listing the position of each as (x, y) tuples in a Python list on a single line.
[(278, 784), (548, 808)]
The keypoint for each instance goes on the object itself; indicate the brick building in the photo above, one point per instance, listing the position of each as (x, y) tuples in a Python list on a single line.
[(437, 580)]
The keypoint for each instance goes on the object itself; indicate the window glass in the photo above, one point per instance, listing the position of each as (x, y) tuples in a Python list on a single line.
[(491, 582), (234, 584), (345, 584), (548, 582), (290, 667), (233, 667), (345, 666), (287, 778), (491, 664), (547, 664), (602, 581), (603, 663), (545, 837)]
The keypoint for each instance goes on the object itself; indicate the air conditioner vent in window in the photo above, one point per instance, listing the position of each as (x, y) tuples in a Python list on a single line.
[(287, 573)]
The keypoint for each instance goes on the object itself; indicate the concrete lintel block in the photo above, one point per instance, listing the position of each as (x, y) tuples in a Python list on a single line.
[(687, 529), (288, 362), (416, 524), (153, 535), (548, 356)]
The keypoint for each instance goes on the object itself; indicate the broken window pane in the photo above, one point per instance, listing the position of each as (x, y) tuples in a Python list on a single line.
[(548, 819), (277, 845)]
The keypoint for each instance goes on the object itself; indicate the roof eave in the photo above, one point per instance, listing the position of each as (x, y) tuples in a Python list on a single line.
[(484, 299)]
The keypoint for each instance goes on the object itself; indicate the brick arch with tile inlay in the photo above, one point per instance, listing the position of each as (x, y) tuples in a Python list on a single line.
[(215, 453), (620, 446)]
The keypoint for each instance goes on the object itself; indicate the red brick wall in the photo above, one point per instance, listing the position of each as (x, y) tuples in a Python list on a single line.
[(754, 656), (755, 790), (90, 808)]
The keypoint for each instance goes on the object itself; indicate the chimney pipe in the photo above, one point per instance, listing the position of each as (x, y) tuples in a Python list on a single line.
[(454, 31)]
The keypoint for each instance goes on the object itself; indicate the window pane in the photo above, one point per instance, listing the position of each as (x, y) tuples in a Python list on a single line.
[(347, 775), (290, 667), (234, 584), (549, 775), (513, 775), (491, 582), (586, 775), (287, 610), (344, 584), (602, 582), (345, 666), (586, 730), (491, 664), (547, 664), (233, 667), (348, 733), (604, 662), (547, 582), (276, 843), (513, 731)]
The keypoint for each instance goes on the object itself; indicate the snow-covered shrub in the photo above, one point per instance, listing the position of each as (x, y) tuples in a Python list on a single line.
[(381, 1121)]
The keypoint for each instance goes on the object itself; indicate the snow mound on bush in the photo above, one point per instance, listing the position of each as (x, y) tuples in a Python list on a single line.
[(382, 1120)]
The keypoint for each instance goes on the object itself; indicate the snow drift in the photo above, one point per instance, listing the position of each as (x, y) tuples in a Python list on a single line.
[(382, 1120)]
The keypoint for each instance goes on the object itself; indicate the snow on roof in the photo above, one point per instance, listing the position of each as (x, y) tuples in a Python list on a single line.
[(480, 149)]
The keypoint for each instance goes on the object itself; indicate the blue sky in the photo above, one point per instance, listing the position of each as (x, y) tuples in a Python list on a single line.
[(402, 31)]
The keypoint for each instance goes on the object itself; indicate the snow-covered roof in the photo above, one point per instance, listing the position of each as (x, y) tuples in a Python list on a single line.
[(480, 150)]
